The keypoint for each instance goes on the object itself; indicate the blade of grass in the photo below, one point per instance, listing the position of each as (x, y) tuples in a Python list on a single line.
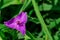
[(29, 1), (27, 37), (26, 3), (9, 3), (40, 34), (40, 18), (30, 35), (30, 13), (23, 6)]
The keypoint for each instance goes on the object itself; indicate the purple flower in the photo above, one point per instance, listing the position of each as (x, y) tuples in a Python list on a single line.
[(18, 22)]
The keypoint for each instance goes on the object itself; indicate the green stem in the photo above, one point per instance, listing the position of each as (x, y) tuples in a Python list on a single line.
[(40, 34), (30, 35), (40, 18), (23, 8), (29, 1), (25, 5)]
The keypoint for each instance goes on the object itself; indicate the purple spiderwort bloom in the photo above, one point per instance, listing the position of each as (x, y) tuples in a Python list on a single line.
[(18, 22)]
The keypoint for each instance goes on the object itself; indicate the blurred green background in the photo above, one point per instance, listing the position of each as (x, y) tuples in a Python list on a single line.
[(49, 9)]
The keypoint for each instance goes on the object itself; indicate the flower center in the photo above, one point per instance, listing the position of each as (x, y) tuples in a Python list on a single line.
[(19, 23)]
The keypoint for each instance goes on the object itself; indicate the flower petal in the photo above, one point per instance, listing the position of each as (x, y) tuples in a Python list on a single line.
[(22, 17), (18, 22), (11, 23), (22, 29)]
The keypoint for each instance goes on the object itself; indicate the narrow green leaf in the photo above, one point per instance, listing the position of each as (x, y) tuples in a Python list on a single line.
[(9, 2), (40, 18), (1, 38), (27, 37)]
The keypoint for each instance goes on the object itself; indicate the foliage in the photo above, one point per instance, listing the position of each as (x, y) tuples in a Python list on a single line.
[(43, 19)]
